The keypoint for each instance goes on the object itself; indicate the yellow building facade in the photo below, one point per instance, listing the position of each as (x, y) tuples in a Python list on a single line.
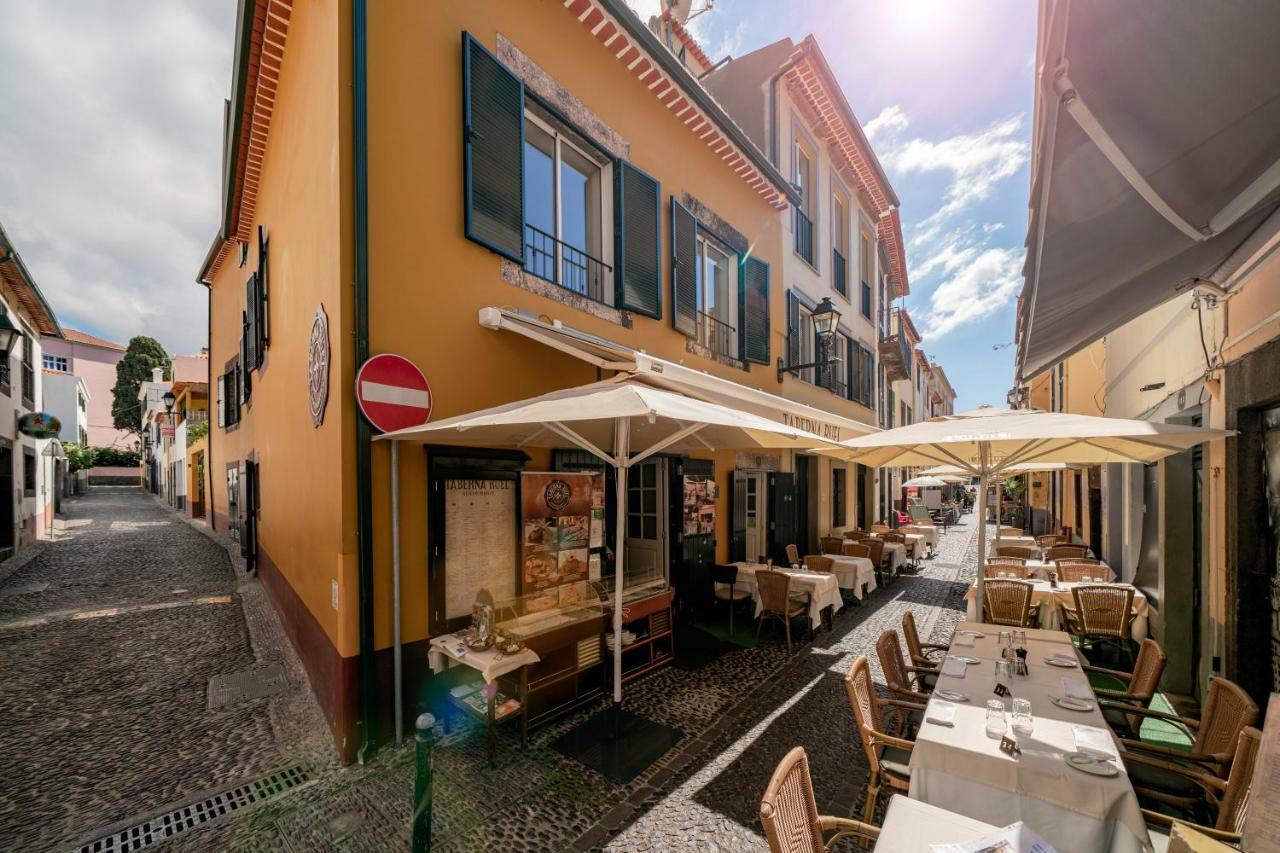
[(500, 193)]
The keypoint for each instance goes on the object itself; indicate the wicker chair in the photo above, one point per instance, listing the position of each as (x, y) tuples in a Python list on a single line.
[(1009, 602), (876, 547), (1218, 806), (856, 535), (1103, 613), (1227, 711), (1010, 531), (919, 651), (777, 602), (818, 563), (1015, 551), (790, 816), (856, 549), (1140, 688), (904, 682), (726, 589), (1049, 540), (1057, 552), (998, 566), (888, 756), (1073, 571), (881, 528), (831, 544), (793, 555)]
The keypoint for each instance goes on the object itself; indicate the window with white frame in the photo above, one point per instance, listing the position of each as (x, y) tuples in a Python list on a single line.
[(806, 344), (866, 270), (805, 179), (838, 370), (56, 363), (717, 296), (568, 209)]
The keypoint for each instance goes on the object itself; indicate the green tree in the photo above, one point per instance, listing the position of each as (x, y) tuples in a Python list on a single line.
[(140, 358), (79, 458)]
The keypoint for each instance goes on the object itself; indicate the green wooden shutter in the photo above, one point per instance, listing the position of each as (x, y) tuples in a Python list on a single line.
[(639, 280), (755, 311), (853, 382), (793, 328), (492, 151), (684, 272), (264, 316), (251, 323), (868, 377)]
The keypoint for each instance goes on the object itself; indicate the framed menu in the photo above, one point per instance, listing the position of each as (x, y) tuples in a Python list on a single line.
[(562, 520), (480, 545)]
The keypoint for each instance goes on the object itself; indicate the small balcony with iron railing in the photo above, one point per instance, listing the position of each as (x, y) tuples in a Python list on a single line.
[(839, 273), (895, 349), (717, 335), (568, 266), (804, 236)]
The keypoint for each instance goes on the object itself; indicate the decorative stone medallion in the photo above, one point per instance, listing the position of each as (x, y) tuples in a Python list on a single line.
[(318, 366)]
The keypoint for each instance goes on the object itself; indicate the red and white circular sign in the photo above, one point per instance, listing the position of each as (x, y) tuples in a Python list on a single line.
[(393, 393)]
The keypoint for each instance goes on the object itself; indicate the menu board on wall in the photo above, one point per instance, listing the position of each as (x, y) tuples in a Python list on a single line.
[(479, 542), (562, 520), (699, 505)]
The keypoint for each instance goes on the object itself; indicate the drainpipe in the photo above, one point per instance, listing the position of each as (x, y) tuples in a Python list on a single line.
[(364, 473), (772, 86), (209, 516)]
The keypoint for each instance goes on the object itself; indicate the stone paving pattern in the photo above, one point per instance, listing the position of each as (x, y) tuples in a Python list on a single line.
[(107, 716)]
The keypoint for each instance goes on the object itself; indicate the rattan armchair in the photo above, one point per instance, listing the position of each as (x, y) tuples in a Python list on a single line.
[(831, 544), (856, 549), (997, 566), (778, 602), (818, 563), (1218, 805), (856, 535), (919, 652), (876, 556), (881, 528), (1049, 540), (1228, 710), (1102, 612), (1010, 602), (793, 555), (1075, 570), (888, 755), (1058, 552), (1021, 551), (1010, 531), (789, 812), (1140, 688), (904, 682)]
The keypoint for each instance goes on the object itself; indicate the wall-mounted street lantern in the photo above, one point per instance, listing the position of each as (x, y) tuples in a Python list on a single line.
[(9, 333), (169, 400), (825, 319)]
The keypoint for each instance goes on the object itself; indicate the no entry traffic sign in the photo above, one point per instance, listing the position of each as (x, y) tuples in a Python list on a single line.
[(393, 393)]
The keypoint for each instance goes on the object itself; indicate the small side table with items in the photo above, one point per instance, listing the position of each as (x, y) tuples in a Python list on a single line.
[(484, 700)]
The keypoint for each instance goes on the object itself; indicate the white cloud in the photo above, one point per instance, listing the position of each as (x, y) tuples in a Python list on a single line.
[(110, 158), (888, 124), (980, 283)]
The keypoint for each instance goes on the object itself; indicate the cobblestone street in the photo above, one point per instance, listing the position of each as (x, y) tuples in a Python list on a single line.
[(113, 633)]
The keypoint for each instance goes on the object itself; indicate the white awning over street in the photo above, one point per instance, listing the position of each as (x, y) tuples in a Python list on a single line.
[(1156, 162)]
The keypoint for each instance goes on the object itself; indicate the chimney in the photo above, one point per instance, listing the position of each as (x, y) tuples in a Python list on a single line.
[(157, 374)]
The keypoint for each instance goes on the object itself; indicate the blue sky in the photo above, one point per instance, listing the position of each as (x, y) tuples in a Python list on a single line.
[(944, 90)]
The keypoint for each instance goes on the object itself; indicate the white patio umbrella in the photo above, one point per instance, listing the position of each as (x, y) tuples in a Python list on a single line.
[(925, 482), (987, 442), (622, 421), (950, 471)]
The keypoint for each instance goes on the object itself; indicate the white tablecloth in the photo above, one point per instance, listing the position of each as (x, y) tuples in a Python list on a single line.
[(1051, 618), (912, 825), (928, 531), (1041, 569), (490, 663), (854, 573), (960, 769), (916, 545), (897, 553), (824, 589), (1024, 542)]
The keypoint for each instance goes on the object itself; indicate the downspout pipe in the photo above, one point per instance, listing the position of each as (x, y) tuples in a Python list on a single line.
[(364, 435), (210, 517), (772, 86)]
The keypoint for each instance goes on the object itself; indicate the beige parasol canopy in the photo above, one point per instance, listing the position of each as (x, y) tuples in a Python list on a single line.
[(988, 442)]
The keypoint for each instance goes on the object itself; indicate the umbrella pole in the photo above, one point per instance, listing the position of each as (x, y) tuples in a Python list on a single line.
[(981, 588), (999, 507), (621, 453)]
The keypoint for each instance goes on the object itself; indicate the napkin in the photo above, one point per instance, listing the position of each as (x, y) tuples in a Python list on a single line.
[(964, 640), (1063, 656), (1076, 689), (1094, 741), (941, 713), (954, 668)]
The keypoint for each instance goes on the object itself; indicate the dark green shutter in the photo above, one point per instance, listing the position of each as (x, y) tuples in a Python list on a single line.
[(684, 270), (640, 242), (493, 151), (793, 328), (853, 354), (868, 377), (251, 323), (264, 267), (755, 311)]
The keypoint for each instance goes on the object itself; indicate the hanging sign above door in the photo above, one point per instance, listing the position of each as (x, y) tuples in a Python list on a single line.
[(392, 393)]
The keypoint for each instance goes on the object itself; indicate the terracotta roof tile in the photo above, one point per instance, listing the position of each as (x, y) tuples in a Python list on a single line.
[(76, 336)]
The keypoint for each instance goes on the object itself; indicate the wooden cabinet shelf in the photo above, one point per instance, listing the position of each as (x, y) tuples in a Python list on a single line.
[(650, 619)]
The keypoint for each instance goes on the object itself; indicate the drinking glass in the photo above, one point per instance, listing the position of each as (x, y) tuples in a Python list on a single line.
[(1020, 638), (995, 719), (1004, 638), (1022, 720), (1086, 579), (1003, 672)]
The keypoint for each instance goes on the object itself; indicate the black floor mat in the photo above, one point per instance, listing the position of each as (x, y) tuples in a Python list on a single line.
[(621, 747), (695, 648)]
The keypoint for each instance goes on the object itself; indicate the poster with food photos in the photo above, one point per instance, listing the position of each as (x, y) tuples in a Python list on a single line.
[(562, 519), (699, 505)]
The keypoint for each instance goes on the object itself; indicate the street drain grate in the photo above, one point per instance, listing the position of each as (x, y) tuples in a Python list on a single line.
[(251, 684), (23, 589), (145, 833)]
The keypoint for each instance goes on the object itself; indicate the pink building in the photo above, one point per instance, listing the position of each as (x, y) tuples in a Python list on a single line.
[(94, 361)]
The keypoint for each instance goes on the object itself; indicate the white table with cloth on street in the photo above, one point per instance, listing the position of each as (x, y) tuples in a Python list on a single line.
[(1050, 616), (1041, 568), (913, 825), (959, 768), (928, 531), (490, 663), (916, 545), (853, 573), (897, 554), (823, 588), (1025, 542)]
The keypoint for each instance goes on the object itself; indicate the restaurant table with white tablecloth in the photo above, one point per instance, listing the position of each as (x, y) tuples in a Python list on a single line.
[(1024, 542), (1041, 568), (916, 545), (823, 588), (854, 573), (1051, 617), (958, 767), (928, 531), (897, 554), (912, 825)]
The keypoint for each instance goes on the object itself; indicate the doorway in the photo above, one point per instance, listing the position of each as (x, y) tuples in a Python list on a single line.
[(6, 497), (755, 506), (646, 545)]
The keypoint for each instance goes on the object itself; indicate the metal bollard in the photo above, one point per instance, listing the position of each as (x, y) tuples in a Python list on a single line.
[(425, 741)]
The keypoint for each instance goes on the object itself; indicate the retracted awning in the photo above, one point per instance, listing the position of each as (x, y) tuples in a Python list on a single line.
[(1156, 162), (610, 355)]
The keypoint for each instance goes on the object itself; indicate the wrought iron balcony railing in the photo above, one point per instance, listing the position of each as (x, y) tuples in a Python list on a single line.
[(565, 265), (804, 236), (717, 335), (839, 273)]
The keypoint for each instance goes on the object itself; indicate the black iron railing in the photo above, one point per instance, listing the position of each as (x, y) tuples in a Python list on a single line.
[(804, 236), (717, 335), (839, 273), (565, 265), (866, 300)]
